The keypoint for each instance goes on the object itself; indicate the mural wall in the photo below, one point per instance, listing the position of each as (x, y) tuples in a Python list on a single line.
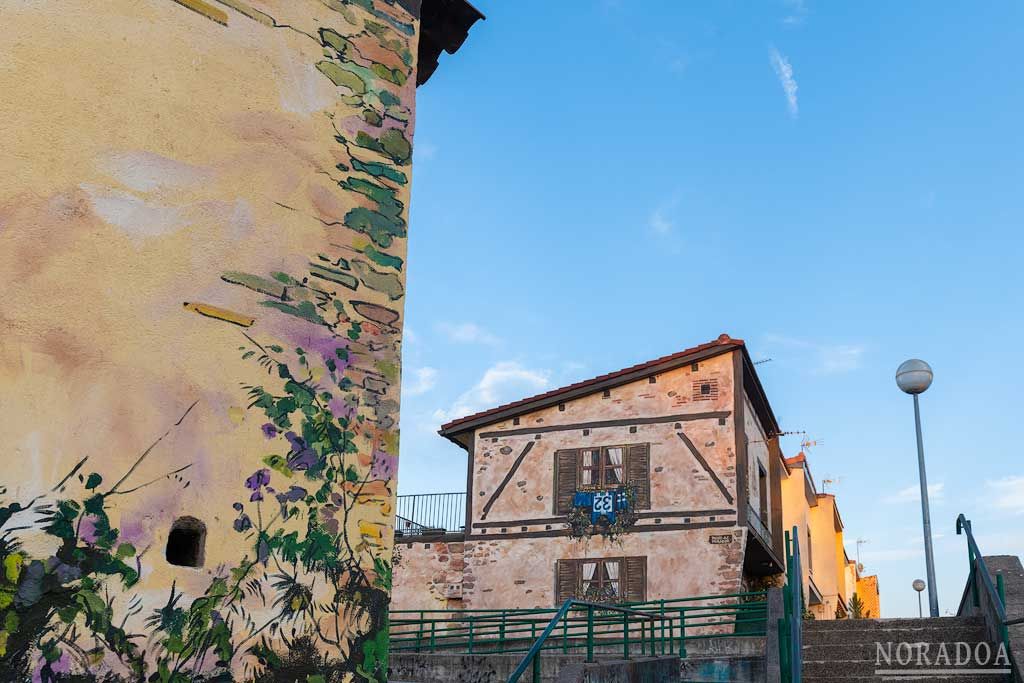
[(203, 210)]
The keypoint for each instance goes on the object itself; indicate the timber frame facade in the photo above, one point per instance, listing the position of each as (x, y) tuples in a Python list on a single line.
[(691, 436)]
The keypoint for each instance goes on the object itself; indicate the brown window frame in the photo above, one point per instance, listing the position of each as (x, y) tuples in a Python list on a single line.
[(568, 473), (603, 468), (624, 580), (600, 578)]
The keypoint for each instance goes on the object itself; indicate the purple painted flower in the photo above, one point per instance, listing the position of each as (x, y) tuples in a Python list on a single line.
[(302, 456), (384, 465), (256, 482), (292, 495), (243, 523), (87, 528), (269, 430)]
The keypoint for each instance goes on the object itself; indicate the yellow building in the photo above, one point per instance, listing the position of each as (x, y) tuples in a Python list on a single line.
[(830, 578)]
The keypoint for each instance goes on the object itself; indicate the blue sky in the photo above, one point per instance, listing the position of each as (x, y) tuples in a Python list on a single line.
[(601, 183)]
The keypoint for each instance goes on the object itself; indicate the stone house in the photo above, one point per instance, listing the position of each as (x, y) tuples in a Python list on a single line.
[(685, 446)]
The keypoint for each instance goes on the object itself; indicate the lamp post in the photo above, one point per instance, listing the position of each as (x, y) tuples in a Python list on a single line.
[(918, 586), (914, 377)]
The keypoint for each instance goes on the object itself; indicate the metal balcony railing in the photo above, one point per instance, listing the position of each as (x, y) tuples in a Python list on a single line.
[(430, 512), (759, 527)]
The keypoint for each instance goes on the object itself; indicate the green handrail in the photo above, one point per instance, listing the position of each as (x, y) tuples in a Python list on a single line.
[(667, 626), (996, 594), (533, 654), (789, 626)]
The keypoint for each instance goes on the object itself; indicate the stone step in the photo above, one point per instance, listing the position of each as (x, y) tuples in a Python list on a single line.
[(833, 670), (870, 652), (942, 634), (867, 624), (967, 678)]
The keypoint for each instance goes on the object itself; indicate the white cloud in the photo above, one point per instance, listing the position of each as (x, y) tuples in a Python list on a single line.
[(829, 359), (797, 12), (912, 494), (1007, 494), (419, 381), (467, 333), (660, 223), (661, 220), (501, 383), (424, 150), (784, 70), (842, 358)]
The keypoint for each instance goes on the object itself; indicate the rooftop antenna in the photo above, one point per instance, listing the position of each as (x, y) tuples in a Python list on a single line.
[(763, 361), (829, 480), (860, 542), (807, 444)]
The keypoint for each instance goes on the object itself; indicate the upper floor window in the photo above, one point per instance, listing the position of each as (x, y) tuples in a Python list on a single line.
[(598, 468), (601, 468)]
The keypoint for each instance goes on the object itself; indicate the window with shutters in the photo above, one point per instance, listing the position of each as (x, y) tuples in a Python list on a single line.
[(601, 468), (603, 579)]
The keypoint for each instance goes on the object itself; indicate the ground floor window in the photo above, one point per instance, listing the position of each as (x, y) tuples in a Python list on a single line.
[(602, 579)]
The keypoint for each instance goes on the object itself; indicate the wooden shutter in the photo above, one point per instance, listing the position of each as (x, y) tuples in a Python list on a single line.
[(566, 580), (638, 473), (565, 480), (636, 579)]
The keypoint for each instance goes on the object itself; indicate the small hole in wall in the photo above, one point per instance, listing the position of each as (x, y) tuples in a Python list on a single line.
[(721, 422), (494, 440), (606, 394), (186, 544), (561, 407), (632, 430), (515, 420), (694, 367), (652, 379), (586, 432)]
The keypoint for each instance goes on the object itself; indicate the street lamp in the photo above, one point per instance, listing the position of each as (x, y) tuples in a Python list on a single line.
[(914, 377), (918, 586)]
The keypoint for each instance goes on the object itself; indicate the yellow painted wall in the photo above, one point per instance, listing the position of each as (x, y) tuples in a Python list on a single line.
[(203, 210), (867, 591)]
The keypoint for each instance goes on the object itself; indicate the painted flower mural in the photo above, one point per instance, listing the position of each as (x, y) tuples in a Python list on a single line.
[(204, 442)]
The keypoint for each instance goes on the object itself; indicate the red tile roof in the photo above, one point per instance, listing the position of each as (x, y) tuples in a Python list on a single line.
[(724, 341), (797, 459)]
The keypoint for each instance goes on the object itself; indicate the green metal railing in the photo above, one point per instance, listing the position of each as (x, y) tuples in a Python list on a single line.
[(577, 627), (979, 584), (790, 638)]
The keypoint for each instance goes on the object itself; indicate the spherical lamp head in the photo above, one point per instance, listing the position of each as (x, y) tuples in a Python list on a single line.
[(918, 585), (914, 376)]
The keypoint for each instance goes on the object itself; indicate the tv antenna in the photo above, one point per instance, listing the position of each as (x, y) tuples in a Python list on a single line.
[(830, 481), (807, 444), (860, 542), (763, 361)]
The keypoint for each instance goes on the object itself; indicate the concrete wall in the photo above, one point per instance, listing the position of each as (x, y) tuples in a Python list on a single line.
[(203, 205), (555, 668)]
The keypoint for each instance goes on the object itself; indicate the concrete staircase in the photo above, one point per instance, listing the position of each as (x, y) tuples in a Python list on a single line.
[(848, 650)]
